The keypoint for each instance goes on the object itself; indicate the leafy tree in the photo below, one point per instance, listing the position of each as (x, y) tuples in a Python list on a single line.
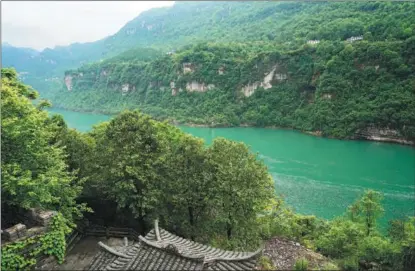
[(127, 157), (341, 240), (189, 187), (367, 210), (33, 170), (244, 187)]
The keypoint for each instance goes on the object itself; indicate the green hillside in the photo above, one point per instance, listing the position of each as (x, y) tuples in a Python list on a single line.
[(187, 23), (252, 63), (335, 87)]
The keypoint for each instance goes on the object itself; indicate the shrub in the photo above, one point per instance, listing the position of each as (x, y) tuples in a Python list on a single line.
[(265, 263), (329, 267), (349, 264), (301, 265), (341, 240), (380, 250)]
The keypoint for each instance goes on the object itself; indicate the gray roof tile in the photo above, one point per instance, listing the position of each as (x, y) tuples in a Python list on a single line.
[(171, 252)]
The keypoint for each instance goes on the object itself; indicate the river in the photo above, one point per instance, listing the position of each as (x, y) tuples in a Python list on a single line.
[(316, 175)]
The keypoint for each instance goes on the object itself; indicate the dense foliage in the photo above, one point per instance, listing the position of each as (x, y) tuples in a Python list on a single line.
[(337, 88), (186, 23), (220, 194), (347, 238), (33, 170), (52, 243), (156, 171)]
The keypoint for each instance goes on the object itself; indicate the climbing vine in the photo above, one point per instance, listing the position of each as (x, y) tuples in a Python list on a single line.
[(22, 255)]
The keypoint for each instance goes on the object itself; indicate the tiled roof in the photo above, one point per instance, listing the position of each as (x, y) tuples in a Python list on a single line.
[(162, 250)]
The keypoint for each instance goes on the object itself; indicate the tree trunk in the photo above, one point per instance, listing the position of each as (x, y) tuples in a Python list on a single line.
[(141, 221), (191, 221), (229, 228), (229, 231)]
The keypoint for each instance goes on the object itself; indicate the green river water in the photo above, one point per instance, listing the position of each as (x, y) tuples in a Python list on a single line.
[(316, 175)]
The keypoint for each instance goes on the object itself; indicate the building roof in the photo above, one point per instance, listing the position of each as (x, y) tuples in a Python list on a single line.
[(162, 250)]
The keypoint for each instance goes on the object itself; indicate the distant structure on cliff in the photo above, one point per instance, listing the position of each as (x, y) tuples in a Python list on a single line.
[(313, 41), (352, 39)]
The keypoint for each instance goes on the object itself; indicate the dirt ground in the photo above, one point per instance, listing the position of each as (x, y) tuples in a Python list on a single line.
[(284, 253), (83, 253)]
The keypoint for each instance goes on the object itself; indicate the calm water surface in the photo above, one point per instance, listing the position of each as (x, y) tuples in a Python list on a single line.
[(316, 175)]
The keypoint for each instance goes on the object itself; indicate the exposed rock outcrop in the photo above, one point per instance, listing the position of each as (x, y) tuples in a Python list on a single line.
[(130, 31), (382, 134), (173, 88), (125, 88), (68, 82), (188, 67), (104, 73), (198, 87), (249, 89)]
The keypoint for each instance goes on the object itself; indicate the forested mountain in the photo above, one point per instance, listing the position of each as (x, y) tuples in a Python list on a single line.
[(284, 64), (190, 22), (332, 86)]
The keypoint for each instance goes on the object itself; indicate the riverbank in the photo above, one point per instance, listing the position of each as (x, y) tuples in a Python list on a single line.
[(370, 135), (320, 166), (313, 133)]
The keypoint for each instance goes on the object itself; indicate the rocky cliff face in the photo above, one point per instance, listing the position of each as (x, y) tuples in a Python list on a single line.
[(68, 82), (382, 134), (249, 89), (198, 87), (125, 88), (188, 68)]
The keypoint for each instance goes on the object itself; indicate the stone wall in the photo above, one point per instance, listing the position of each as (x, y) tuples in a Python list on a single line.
[(35, 222)]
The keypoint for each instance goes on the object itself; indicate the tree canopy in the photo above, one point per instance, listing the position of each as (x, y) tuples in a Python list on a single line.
[(34, 172)]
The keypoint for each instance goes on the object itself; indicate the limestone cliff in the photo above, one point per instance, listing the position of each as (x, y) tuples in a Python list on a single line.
[(382, 134), (198, 87), (68, 82), (249, 89)]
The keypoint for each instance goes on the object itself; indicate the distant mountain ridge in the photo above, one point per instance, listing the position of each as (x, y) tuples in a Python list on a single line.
[(187, 23), (339, 69)]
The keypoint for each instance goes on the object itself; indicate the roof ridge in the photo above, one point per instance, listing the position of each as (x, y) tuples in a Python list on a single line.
[(156, 229), (170, 247), (111, 250), (234, 258)]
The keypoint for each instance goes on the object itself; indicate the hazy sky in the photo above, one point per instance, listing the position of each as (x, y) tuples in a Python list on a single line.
[(46, 24)]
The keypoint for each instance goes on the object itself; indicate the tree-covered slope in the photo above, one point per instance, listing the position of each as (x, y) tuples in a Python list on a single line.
[(191, 22), (341, 89)]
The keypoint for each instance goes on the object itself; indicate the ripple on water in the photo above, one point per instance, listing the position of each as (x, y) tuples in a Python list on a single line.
[(327, 199)]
